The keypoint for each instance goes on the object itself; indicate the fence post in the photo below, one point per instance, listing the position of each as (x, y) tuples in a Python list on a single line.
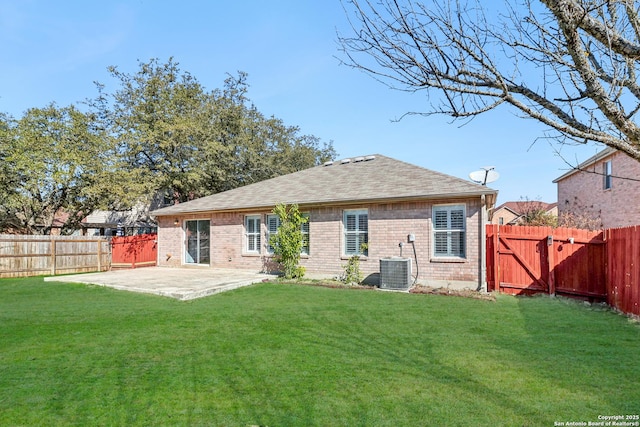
[(550, 266), (99, 242), (496, 258), (53, 256)]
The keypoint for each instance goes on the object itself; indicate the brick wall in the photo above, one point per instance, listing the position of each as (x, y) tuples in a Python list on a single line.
[(583, 193), (170, 244), (389, 224)]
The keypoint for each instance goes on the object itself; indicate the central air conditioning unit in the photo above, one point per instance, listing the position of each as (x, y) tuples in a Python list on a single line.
[(395, 273)]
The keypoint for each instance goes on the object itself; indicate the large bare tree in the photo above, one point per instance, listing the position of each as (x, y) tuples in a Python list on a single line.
[(570, 64)]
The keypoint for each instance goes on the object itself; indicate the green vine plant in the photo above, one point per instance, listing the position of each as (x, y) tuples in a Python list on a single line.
[(288, 242), (352, 273)]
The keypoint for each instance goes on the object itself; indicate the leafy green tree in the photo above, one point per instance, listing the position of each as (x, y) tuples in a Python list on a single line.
[(160, 130), (7, 180), (156, 117), (288, 242), (194, 142), (55, 161)]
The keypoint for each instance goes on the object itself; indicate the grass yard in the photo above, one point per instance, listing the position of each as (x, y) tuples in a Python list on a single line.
[(291, 355)]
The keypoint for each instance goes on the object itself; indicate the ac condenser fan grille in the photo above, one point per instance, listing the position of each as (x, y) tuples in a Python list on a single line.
[(395, 273)]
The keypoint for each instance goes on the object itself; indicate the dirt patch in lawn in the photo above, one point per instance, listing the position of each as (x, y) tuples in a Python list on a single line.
[(420, 289), (466, 293)]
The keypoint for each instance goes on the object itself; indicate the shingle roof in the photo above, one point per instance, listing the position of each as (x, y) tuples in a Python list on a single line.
[(361, 179)]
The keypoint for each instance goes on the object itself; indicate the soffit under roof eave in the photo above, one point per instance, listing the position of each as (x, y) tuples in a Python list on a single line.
[(444, 196)]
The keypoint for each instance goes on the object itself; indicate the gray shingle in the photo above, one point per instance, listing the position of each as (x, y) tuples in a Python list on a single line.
[(362, 179)]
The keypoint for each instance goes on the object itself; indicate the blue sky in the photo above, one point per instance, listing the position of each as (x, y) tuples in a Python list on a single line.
[(54, 51)]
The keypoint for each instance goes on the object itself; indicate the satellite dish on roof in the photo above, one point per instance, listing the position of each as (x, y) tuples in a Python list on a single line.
[(485, 175)]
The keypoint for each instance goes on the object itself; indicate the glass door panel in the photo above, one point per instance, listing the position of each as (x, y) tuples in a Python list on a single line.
[(203, 242), (197, 242)]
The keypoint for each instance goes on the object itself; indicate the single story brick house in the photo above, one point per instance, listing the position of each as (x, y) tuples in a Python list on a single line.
[(370, 199)]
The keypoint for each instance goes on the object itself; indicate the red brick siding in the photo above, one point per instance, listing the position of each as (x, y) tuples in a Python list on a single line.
[(389, 224), (584, 193), (170, 244)]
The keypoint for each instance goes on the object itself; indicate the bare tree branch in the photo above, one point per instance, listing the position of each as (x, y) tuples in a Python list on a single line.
[(576, 167), (570, 64)]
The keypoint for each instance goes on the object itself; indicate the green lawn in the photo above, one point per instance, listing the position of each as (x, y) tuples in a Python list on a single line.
[(292, 355)]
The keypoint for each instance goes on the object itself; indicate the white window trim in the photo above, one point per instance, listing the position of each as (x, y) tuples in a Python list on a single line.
[(267, 233), (449, 207), (257, 233), (306, 249), (607, 173), (357, 212)]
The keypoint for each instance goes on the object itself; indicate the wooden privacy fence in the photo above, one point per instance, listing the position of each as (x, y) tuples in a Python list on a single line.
[(599, 265), (50, 255), (623, 268), (134, 251)]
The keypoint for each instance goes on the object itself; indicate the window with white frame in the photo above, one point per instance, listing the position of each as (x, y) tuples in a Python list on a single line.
[(356, 232), (252, 233), (273, 223), (449, 231), (606, 172), (305, 235)]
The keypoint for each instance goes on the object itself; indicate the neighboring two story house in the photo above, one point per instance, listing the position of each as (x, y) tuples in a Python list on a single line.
[(605, 187)]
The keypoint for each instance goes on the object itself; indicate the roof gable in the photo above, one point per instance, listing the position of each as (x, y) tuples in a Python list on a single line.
[(361, 179), (601, 155)]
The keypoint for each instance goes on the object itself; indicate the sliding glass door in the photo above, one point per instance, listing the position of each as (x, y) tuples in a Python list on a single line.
[(197, 241)]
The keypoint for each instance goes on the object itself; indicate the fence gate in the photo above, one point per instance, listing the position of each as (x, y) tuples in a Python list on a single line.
[(529, 260), (134, 251)]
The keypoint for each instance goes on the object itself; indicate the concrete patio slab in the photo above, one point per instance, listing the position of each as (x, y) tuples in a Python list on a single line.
[(180, 283)]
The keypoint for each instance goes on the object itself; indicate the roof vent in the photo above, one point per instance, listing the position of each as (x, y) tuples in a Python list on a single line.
[(344, 161), (358, 159), (369, 158), (329, 163)]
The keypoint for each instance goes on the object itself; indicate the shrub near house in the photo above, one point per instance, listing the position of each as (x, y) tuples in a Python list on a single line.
[(526, 212), (288, 241)]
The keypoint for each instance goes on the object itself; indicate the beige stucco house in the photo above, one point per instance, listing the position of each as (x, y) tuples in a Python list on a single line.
[(605, 187), (373, 199)]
